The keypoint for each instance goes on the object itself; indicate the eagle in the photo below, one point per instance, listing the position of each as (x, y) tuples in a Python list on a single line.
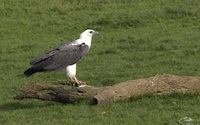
[(64, 56)]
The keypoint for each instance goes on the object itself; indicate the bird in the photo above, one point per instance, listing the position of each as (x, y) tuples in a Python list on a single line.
[(63, 57)]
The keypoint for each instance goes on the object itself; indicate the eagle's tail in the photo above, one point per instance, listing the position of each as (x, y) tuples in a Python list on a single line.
[(32, 71)]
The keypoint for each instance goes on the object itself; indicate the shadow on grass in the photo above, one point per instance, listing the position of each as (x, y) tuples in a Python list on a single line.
[(25, 105)]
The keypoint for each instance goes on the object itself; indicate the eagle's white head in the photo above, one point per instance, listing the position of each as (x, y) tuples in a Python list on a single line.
[(87, 34)]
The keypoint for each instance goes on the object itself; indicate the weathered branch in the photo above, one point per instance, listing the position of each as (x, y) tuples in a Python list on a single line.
[(163, 84)]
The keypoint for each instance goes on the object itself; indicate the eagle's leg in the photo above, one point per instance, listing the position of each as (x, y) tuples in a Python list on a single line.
[(71, 73), (77, 82), (72, 82)]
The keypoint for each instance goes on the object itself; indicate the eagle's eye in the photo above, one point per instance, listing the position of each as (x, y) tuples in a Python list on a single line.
[(90, 31)]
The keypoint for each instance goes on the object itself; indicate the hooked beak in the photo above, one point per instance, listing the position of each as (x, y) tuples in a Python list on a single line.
[(95, 33)]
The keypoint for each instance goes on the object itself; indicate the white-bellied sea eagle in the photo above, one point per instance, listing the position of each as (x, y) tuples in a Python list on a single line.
[(64, 56)]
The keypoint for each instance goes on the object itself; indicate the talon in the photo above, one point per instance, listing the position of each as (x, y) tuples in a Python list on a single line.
[(77, 85), (75, 82)]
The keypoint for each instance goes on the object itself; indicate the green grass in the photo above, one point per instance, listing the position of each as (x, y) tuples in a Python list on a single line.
[(138, 39)]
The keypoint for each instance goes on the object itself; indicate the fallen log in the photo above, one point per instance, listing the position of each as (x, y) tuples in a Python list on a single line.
[(162, 84)]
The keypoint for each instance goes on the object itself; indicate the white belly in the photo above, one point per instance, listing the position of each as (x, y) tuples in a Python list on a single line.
[(71, 71)]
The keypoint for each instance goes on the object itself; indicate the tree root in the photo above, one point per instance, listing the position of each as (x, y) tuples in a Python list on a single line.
[(162, 84)]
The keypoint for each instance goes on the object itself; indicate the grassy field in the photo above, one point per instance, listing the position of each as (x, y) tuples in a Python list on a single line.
[(138, 39)]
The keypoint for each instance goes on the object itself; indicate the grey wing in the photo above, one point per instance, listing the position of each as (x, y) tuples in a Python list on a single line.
[(48, 54), (60, 57)]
